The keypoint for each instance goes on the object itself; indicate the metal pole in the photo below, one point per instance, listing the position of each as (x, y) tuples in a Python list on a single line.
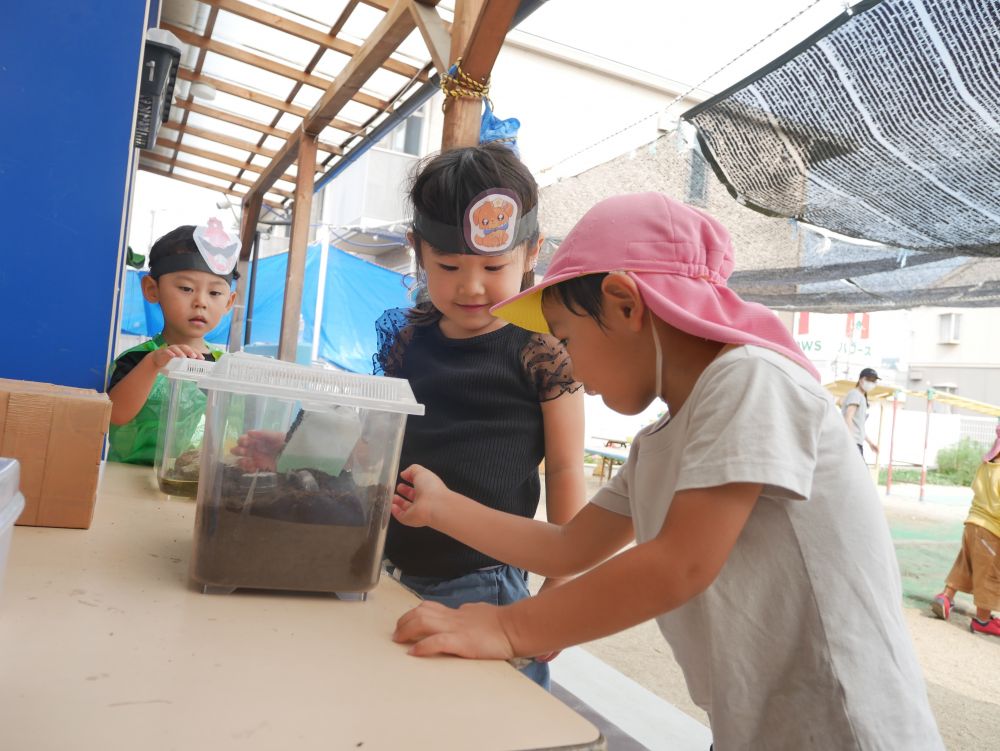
[(892, 443), (253, 285), (927, 435), (320, 290)]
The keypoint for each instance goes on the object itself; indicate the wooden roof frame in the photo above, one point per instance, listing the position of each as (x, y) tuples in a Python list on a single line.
[(479, 29)]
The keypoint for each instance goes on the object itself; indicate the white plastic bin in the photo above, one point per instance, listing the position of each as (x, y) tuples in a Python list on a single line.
[(312, 512), (11, 506)]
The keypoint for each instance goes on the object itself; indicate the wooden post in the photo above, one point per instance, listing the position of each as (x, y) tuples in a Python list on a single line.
[(927, 436), (248, 227), (295, 273), (462, 116), (892, 443), (878, 438)]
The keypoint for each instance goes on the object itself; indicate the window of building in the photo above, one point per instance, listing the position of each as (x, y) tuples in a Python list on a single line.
[(949, 328), (697, 192), (408, 136)]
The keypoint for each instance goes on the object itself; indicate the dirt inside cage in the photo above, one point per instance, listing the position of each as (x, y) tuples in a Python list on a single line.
[(302, 530)]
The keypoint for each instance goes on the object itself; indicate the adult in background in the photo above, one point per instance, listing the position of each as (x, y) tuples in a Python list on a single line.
[(855, 409)]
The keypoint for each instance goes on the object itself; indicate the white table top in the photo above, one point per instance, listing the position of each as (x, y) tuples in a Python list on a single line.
[(105, 644)]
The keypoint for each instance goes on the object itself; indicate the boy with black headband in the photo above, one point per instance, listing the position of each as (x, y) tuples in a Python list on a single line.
[(190, 275)]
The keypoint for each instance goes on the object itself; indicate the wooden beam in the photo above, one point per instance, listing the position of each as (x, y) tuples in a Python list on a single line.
[(246, 122), (309, 34), (435, 33), (217, 174), (476, 36), (295, 270), (395, 26), (199, 183), (211, 135), (211, 155), (213, 13), (487, 37), (265, 63), (462, 116), (249, 216), (248, 224), (243, 92)]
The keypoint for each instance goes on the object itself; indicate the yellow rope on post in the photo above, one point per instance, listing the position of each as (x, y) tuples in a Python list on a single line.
[(461, 84)]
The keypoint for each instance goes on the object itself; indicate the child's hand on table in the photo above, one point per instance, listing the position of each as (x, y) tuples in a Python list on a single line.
[(474, 630), (259, 450), (420, 502), (165, 354)]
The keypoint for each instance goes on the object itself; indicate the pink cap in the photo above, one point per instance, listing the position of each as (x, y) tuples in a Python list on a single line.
[(680, 260)]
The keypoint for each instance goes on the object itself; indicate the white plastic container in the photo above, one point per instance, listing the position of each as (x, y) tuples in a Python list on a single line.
[(11, 506), (182, 424), (311, 512)]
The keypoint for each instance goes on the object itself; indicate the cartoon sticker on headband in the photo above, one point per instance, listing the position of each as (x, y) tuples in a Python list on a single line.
[(490, 222), (217, 248)]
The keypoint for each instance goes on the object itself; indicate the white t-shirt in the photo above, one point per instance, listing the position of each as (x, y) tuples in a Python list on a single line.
[(855, 398), (800, 642)]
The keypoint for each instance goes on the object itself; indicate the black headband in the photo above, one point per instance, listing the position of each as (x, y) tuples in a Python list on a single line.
[(485, 228), (185, 262)]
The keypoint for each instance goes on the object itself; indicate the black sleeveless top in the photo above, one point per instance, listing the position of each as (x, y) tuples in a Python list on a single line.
[(482, 431)]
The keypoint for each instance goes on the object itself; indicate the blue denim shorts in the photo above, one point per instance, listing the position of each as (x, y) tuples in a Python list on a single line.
[(496, 585)]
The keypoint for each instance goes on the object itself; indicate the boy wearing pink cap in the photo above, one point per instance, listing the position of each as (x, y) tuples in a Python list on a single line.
[(761, 551), (977, 567)]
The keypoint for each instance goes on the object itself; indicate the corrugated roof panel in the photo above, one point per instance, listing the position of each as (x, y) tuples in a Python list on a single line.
[(263, 40), (247, 76)]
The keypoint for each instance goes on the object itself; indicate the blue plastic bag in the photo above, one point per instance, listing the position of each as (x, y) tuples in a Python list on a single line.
[(492, 128)]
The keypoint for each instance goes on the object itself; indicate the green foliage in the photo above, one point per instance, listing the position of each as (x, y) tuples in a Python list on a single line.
[(957, 465), (961, 460)]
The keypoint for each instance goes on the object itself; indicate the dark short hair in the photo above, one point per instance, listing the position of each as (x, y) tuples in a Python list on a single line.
[(445, 184), (580, 295)]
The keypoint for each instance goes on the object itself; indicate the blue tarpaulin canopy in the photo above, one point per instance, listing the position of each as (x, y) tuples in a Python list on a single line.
[(355, 293)]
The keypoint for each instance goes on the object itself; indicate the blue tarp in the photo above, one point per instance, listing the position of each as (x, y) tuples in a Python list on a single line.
[(355, 295)]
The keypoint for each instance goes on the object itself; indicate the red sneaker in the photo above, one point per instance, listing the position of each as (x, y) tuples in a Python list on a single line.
[(991, 627), (941, 606)]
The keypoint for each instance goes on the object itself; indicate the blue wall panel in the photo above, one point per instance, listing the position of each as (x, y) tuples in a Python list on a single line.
[(68, 74)]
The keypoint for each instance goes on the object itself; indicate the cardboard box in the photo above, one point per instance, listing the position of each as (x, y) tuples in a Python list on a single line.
[(57, 434)]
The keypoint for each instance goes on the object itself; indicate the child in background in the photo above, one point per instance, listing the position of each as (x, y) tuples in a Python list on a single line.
[(762, 553), (498, 398), (977, 567), (191, 270)]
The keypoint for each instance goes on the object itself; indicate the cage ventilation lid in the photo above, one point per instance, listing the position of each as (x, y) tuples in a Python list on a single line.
[(254, 375), (188, 369)]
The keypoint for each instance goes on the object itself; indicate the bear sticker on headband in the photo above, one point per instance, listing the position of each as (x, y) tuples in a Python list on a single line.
[(490, 221), (219, 251)]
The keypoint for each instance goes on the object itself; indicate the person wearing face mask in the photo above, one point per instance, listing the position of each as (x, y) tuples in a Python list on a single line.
[(855, 409)]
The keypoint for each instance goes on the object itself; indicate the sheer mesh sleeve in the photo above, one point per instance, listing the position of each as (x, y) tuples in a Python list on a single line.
[(394, 334), (548, 366)]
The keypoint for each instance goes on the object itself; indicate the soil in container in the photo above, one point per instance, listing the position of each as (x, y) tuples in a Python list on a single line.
[(303, 530)]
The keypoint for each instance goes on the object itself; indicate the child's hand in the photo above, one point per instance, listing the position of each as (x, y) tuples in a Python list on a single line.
[(473, 630), (165, 354), (259, 450), (418, 503)]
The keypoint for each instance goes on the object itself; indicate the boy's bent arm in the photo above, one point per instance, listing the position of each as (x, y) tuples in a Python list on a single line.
[(565, 486), (699, 533), (131, 392), (540, 547)]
